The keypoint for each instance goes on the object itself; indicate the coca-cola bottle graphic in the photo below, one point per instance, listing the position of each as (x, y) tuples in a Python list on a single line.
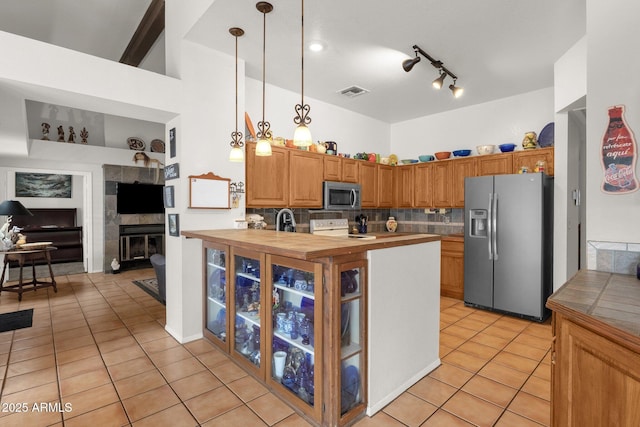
[(618, 155)]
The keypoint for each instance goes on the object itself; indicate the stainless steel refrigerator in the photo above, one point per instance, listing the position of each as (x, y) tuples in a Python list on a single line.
[(508, 243)]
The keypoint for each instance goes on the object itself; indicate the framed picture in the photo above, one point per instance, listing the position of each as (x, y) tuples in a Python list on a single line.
[(172, 142), (43, 185), (171, 171), (174, 225), (169, 200)]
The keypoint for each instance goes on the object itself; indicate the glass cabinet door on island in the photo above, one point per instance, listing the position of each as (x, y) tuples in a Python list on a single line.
[(351, 338), (296, 332), (216, 295), (247, 302)]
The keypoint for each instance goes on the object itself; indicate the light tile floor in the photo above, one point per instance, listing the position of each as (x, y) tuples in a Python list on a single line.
[(98, 355)]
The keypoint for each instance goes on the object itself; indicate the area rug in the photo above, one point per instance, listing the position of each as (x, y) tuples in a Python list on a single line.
[(16, 320), (150, 286)]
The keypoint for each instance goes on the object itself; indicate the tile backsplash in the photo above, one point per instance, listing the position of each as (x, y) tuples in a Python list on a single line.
[(409, 220), (613, 257)]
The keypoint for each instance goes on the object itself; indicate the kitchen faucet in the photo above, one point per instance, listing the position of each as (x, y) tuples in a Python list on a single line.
[(285, 220)]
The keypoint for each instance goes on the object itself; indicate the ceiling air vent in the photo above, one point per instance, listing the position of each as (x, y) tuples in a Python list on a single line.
[(353, 91)]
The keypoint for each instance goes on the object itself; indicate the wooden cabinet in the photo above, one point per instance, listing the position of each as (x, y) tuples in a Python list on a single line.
[(595, 381), (529, 158), (442, 188), (452, 267), (297, 326), (332, 168), (385, 186), (495, 164), (423, 185), (368, 179), (305, 179), (404, 186), (349, 170), (267, 178), (460, 169)]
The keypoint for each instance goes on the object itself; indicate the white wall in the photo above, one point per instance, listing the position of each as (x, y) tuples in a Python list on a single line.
[(570, 89), (351, 131), (613, 70), (497, 122)]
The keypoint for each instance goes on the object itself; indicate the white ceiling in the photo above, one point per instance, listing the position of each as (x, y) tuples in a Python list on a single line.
[(497, 48)]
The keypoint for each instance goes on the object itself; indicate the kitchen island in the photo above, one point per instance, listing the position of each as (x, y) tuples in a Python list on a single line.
[(375, 319), (595, 360)]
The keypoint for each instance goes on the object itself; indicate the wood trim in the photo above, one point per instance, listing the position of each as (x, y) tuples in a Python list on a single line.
[(148, 31)]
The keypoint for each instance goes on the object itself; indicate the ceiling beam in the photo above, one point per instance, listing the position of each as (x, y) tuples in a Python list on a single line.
[(150, 27)]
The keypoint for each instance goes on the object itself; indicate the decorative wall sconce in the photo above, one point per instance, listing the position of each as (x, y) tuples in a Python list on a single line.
[(408, 64), (236, 154)]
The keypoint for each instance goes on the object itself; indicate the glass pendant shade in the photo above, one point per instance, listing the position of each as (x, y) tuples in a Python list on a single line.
[(236, 155), (302, 136), (263, 147)]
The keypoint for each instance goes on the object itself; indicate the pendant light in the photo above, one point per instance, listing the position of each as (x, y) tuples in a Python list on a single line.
[(263, 148), (236, 154), (302, 134)]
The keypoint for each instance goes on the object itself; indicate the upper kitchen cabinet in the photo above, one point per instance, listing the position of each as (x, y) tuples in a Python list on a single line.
[(340, 169), (349, 170), (267, 178), (385, 186), (423, 185), (460, 169), (442, 194), (404, 184), (495, 164), (332, 168), (529, 158), (305, 179), (368, 179)]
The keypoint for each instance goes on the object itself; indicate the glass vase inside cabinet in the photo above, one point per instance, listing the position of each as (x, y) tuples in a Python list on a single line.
[(351, 338), (215, 301), (296, 332), (247, 303)]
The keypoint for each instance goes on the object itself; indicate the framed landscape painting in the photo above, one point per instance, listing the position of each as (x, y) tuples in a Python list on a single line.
[(43, 185)]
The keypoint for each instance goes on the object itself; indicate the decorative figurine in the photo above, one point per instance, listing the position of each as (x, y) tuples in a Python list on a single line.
[(530, 140), (72, 135), (84, 135), (60, 134), (115, 266), (45, 131)]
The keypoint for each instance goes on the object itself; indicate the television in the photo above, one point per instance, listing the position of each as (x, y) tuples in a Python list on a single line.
[(139, 198)]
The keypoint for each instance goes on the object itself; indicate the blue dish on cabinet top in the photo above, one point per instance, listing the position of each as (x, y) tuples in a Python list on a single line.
[(426, 157), (505, 148), (461, 153)]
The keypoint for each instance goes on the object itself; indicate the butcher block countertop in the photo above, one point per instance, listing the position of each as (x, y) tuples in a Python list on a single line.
[(303, 245), (609, 300)]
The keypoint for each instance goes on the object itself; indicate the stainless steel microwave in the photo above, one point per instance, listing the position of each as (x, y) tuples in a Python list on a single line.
[(341, 195)]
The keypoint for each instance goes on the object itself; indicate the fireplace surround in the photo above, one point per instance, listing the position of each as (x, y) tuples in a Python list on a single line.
[(144, 224)]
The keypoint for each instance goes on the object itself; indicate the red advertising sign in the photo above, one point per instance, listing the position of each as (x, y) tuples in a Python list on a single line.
[(619, 155)]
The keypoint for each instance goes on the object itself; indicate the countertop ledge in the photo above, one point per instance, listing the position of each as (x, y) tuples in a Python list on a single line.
[(303, 245), (611, 301)]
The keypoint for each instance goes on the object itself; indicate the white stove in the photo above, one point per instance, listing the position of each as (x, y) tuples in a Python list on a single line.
[(334, 228)]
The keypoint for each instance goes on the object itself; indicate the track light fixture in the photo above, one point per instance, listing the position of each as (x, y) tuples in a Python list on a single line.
[(457, 91), (408, 64), (437, 83)]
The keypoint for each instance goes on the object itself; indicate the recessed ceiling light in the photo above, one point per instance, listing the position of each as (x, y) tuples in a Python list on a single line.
[(316, 46)]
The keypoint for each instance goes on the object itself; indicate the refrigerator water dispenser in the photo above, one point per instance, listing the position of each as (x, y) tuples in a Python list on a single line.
[(478, 223)]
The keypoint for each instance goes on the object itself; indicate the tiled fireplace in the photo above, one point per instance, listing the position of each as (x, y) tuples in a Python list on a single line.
[(114, 222)]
